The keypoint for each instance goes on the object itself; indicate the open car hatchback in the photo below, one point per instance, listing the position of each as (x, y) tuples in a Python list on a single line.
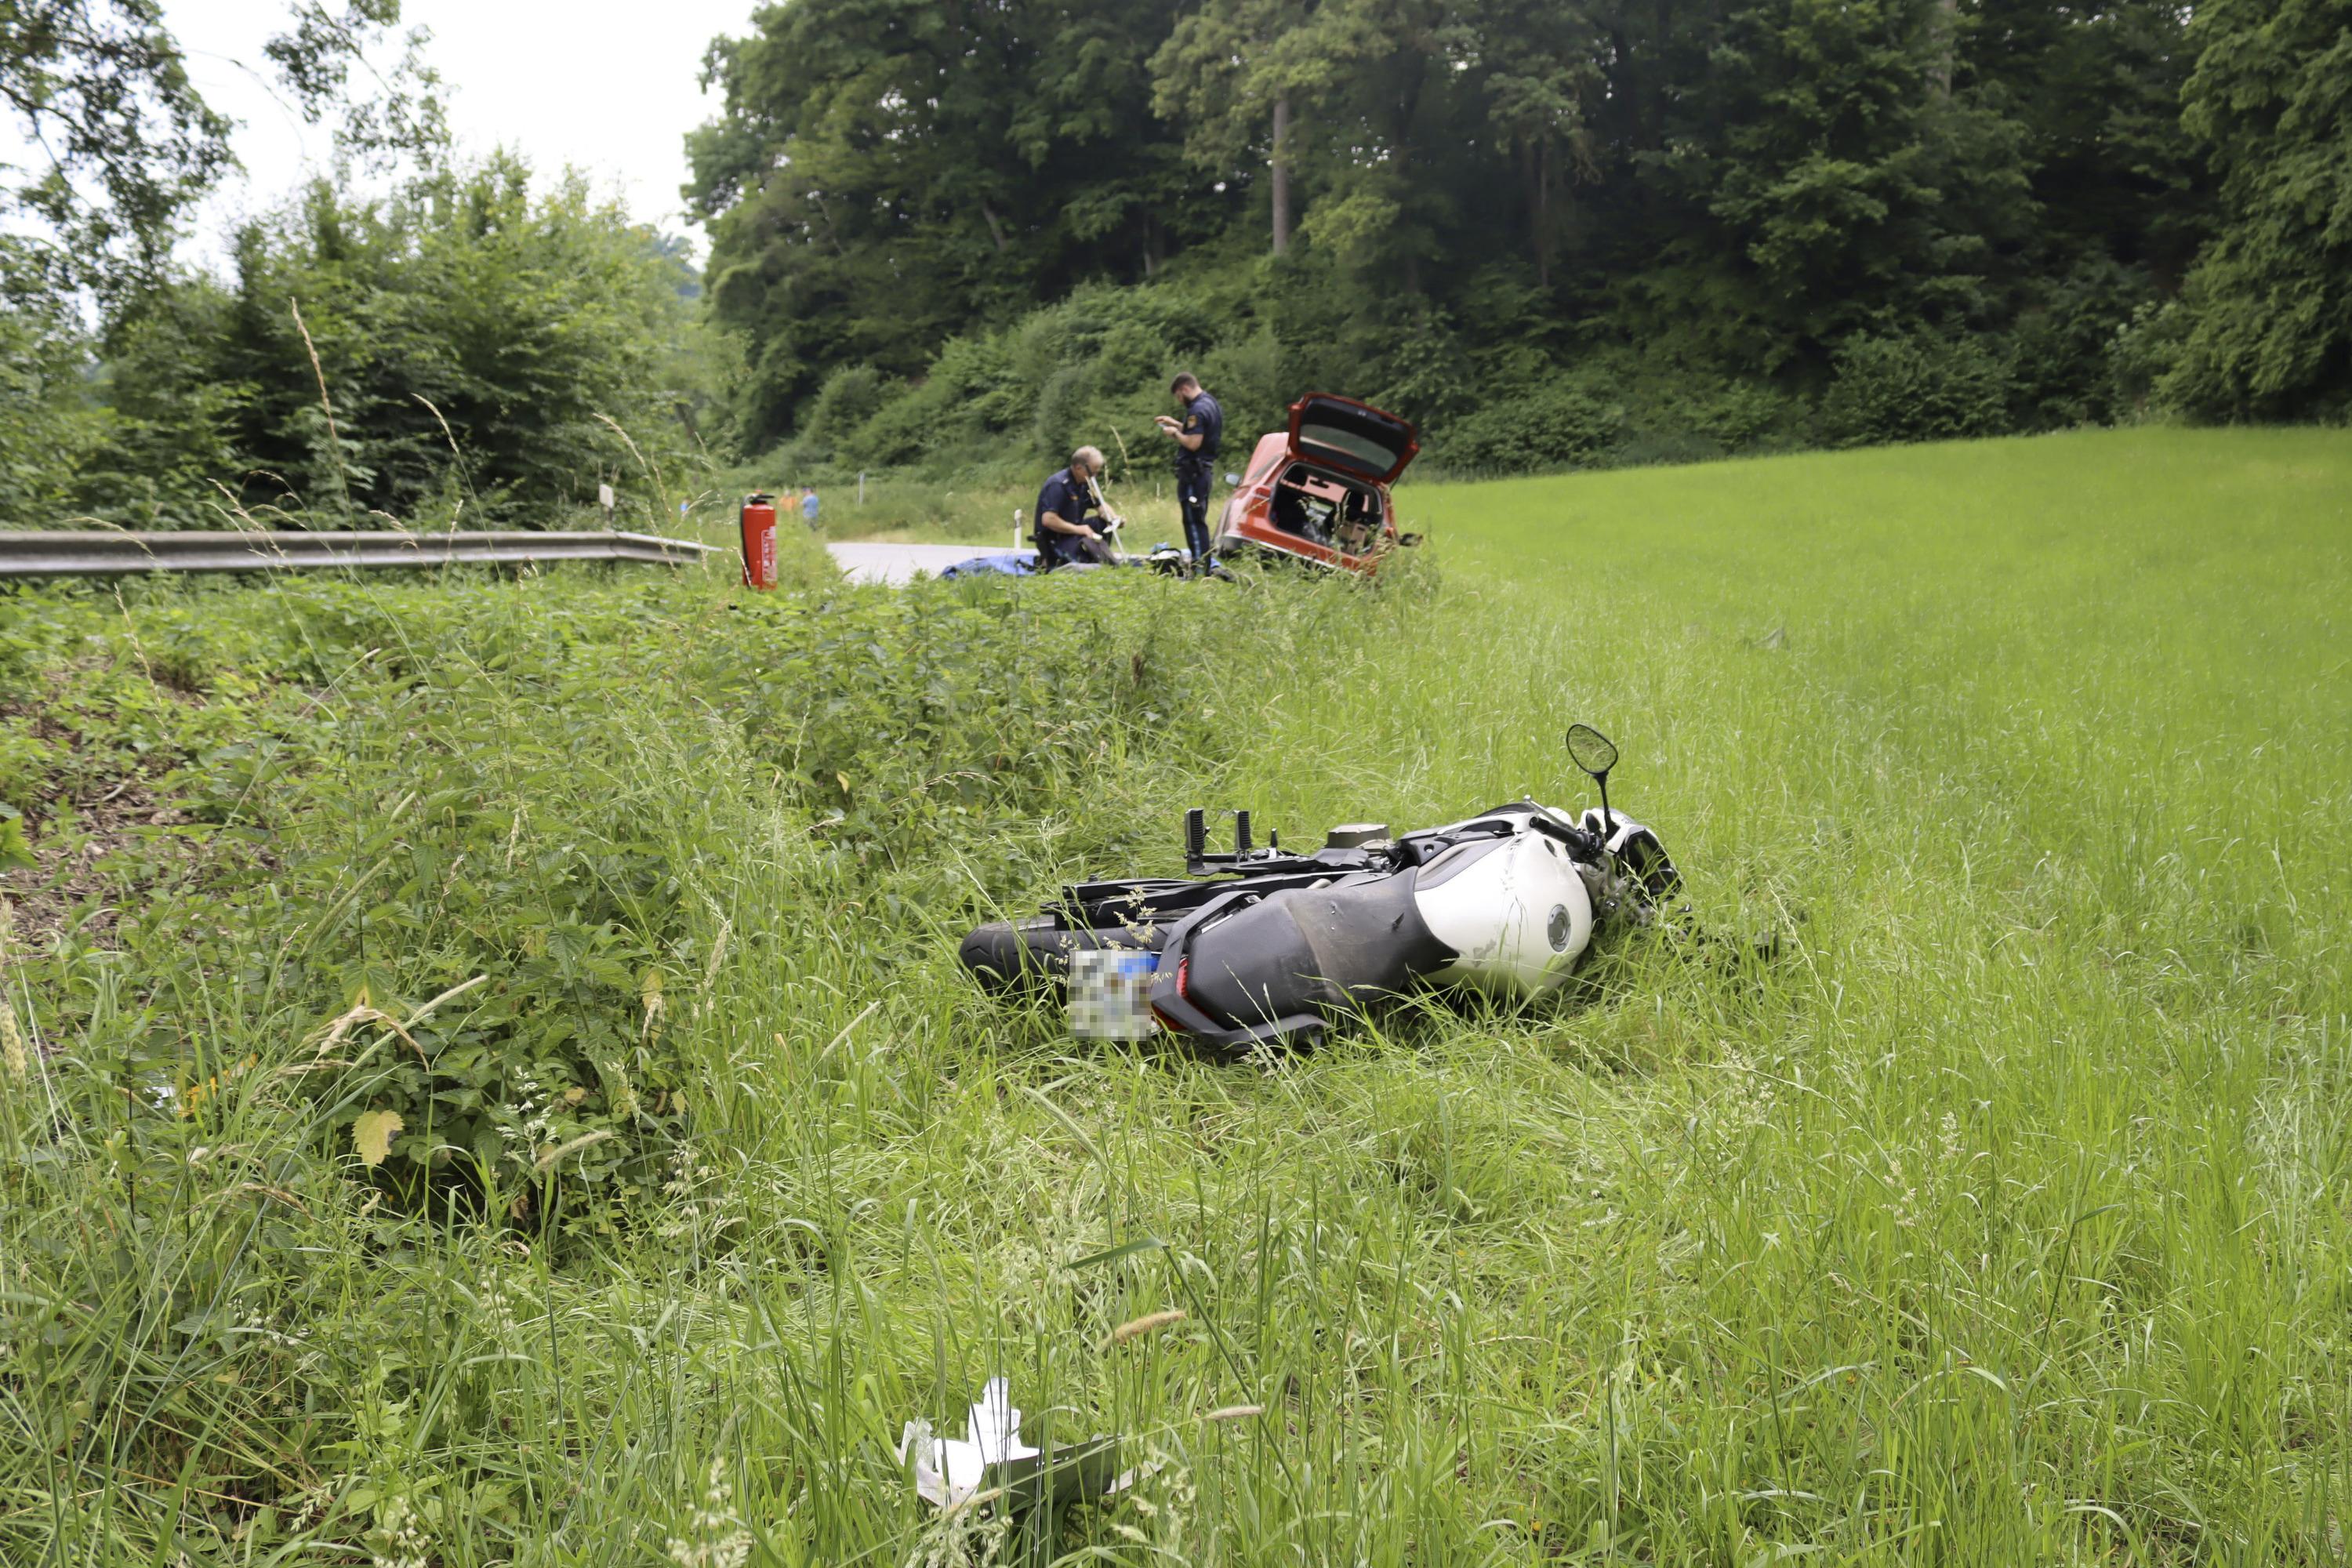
[(1318, 491)]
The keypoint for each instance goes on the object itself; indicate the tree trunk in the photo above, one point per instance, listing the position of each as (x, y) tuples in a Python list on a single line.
[(1407, 109), (1533, 158), (1279, 174), (1946, 33), (995, 229), (1665, 92), (831, 233)]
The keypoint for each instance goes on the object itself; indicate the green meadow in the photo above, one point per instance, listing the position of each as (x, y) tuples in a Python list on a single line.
[(486, 1079)]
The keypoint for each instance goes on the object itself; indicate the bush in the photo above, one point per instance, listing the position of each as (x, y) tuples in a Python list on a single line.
[(850, 396), (1914, 387), (1249, 380), (46, 419), (2060, 349), (2142, 353), (1117, 350), (1092, 370), (1676, 415), (1557, 425), (948, 410), (514, 777), (483, 346)]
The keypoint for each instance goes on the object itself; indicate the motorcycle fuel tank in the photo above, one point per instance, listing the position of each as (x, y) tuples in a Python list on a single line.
[(1515, 911)]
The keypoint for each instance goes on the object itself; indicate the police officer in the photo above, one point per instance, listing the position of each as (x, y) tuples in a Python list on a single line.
[(1197, 437), (1065, 536)]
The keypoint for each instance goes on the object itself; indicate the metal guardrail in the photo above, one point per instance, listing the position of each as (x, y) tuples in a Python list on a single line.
[(112, 553)]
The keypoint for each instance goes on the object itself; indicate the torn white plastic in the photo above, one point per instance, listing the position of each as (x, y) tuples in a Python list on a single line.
[(949, 1474)]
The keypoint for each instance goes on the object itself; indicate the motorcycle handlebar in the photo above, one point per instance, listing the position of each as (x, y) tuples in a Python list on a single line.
[(1578, 840)]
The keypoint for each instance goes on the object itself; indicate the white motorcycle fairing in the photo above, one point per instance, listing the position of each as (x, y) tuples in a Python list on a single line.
[(1516, 911)]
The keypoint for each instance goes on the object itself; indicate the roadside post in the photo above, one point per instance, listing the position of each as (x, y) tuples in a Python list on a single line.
[(759, 525), (604, 500)]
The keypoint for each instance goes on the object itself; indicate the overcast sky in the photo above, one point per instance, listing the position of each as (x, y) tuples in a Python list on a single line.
[(611, 88)]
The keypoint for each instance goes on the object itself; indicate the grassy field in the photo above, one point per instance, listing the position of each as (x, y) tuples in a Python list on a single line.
[(2003, 1219)]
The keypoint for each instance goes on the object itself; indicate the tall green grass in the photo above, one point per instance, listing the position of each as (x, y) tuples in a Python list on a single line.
[(1999, 1219)]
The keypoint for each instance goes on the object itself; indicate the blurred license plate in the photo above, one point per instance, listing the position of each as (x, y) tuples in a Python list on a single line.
[(1110, 991)]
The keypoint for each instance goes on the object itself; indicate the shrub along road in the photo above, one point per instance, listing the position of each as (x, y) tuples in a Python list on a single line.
[(2000, 1220)]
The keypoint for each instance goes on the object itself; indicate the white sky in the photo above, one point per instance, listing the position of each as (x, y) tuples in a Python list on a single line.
[(611, 88)]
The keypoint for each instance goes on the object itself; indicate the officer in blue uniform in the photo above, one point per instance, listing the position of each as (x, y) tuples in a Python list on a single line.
[(1197, 435), (1065, 536)]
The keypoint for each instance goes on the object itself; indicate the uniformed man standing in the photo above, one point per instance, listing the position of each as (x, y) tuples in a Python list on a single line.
[(1197, 435), (1065, 536)]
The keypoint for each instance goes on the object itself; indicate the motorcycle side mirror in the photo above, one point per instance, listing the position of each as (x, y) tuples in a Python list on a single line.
[(1596, 754), (1408, 540)]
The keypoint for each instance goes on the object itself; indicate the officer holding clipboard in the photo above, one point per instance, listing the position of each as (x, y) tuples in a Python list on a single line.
[(1197, 434)]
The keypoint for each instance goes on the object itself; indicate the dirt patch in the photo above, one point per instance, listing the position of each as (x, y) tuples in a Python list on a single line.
[(95, 840), (83, 852)]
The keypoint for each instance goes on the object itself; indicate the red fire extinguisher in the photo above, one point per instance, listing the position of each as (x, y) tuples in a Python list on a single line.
[(758, 540)]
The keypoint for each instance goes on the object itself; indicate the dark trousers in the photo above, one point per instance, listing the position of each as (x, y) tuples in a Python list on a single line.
[(1192, 497), (1070, 550)]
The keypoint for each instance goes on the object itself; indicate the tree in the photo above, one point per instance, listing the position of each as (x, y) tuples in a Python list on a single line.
[(2270, 297), (886, 173), (2097, 90), (1233, 74), (101, 90), (127, 143), (1542, 66), (1817, 186)]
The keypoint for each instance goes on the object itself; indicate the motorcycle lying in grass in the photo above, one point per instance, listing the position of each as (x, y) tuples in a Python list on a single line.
[(1262, 946)]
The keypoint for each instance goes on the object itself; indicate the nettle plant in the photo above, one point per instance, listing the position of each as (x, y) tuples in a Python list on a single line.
[(501, 900), (512, 859), (527, 914)]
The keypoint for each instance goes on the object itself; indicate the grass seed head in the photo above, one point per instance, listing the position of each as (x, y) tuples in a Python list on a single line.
[(1135, 1327), (19, 1060)]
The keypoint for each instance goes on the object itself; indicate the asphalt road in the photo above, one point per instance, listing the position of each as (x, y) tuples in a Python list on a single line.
[(898, 562)]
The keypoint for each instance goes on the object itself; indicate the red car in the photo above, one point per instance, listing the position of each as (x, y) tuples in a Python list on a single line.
[(1319, 490)]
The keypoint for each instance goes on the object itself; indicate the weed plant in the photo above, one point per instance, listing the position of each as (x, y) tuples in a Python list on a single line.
[(2000, 1218)]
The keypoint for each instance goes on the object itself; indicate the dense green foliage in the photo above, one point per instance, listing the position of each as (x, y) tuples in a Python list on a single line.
[(2271, 299), (127, 144), (1999, 1221), (1502, 219), (485, 352), (1550, 233), (471, 347), (954, 238), (524, 330)]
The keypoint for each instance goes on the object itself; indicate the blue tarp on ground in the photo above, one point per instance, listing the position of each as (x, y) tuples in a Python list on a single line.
[(1011, 564)]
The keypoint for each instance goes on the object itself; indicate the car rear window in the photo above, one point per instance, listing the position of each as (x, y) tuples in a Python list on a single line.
[(1374, 456)]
